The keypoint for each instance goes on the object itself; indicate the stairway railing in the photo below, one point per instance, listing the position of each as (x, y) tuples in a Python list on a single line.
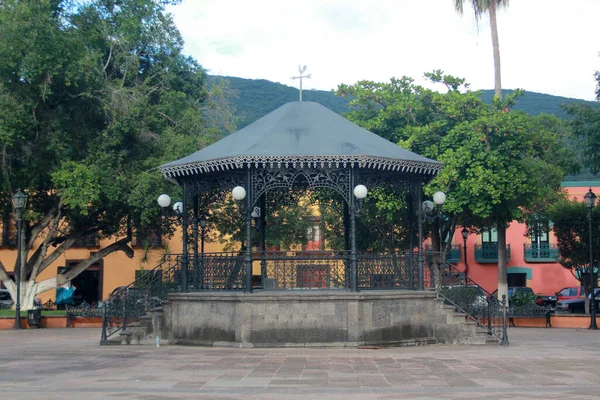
[(471, 299), (128, 303)]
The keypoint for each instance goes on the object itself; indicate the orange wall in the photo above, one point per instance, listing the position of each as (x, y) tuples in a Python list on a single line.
[(546, 278)]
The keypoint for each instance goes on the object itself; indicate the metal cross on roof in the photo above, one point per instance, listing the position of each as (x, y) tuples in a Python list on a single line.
[(301, 70)]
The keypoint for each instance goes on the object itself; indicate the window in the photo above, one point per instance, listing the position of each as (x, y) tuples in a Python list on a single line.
[(569, 292), (489, 236), (539, 233)]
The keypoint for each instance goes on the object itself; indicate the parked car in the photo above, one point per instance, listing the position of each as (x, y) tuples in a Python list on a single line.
[(515, 292), (5, 299), (570, 293), (577, 305)]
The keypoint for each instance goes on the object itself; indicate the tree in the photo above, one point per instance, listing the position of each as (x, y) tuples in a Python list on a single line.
[(490, 6), (497, 164), (95, 96), (570, 220), (586, 125)]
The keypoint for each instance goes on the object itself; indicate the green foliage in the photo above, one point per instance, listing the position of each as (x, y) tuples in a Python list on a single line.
[(522, 299), (95, 96), (586, 125), (257, 97), (498, 164), (570, 220)]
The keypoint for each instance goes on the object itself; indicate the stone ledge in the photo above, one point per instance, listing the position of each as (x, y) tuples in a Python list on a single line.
[(303, 295)]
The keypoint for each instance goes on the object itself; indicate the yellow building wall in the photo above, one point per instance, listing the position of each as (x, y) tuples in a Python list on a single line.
[(116, 269)]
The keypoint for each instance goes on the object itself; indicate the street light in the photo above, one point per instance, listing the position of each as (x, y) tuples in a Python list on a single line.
[(239, 194), (164, 201), (426, 213), (203, 220), (590, 201), (19, 201), (360, 192), (465, 235)]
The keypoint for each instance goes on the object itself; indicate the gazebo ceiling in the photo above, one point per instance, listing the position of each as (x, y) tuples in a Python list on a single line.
[(301, 134)]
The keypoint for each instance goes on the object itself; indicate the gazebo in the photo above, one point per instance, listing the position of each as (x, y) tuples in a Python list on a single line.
[(299, 145), (306, 298)]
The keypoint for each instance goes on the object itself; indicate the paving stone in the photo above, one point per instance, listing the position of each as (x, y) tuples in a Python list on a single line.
[(69, 364)]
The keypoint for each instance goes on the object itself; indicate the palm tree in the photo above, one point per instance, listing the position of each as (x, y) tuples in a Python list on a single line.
[(481, 7)]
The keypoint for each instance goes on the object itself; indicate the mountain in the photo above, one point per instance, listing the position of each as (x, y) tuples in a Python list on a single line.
[(254, 98)]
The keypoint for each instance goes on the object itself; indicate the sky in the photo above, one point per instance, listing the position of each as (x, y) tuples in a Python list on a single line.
[(546, 46)]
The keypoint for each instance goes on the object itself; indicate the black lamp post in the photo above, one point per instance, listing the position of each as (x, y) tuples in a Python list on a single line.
[(590, 201), (19, 201), (203, 220), (427, 213), (179, 208), (465, 235)]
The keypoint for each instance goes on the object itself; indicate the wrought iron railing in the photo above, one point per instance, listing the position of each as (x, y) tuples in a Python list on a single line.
[(394, 270), (540, 253), (474, 301), (488, 252), (149, 290), (216, 271), (305, 270)]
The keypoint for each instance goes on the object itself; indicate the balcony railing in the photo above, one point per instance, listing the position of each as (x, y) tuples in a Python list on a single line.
[(540, 253), (454, 255), (488, 252)]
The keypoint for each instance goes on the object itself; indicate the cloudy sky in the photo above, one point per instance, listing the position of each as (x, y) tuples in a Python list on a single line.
[(547, 46)]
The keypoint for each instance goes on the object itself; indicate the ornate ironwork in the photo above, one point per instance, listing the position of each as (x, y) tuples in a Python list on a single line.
[(214, 187), (386, 270), (149, 290), (487, 252), (540, 252), (470, 298), (218, 271), (266, 179), (305, 270), (301, 161), (84, 310)]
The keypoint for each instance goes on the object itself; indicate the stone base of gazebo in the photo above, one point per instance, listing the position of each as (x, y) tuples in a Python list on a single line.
[(316, 318)]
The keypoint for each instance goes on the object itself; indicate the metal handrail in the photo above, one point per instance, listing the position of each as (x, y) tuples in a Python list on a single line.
[(148, 291), (471, 299)]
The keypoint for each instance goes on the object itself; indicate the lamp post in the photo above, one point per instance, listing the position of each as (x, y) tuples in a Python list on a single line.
[(590, 201), (203, 220), (19, 201), (164, 201), (426, 213), (360, 192), (465, 235), (239, 194)]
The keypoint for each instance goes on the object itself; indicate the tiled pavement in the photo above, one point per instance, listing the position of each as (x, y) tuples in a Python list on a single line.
[(69, 364)]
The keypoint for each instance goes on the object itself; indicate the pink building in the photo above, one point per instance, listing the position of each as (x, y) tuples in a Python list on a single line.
[(532, 260)]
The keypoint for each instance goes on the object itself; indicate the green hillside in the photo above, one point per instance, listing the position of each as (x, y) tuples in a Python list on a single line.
[(536, 103), (255, 98)]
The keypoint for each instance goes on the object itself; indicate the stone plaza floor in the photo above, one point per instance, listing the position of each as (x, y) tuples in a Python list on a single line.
[(70, 364)]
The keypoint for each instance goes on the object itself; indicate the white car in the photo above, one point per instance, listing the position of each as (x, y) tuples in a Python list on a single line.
[(5, 299)]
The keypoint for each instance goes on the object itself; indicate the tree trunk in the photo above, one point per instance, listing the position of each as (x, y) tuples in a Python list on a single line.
[(502, 274), (496, 47)]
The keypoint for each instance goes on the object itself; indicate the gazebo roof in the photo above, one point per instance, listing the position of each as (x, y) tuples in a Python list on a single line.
[(302, 134)]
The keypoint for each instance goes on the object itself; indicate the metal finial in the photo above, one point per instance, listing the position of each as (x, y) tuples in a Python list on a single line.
[(301, 70)]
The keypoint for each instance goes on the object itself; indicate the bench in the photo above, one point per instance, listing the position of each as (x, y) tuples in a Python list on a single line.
[(529, 311)]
